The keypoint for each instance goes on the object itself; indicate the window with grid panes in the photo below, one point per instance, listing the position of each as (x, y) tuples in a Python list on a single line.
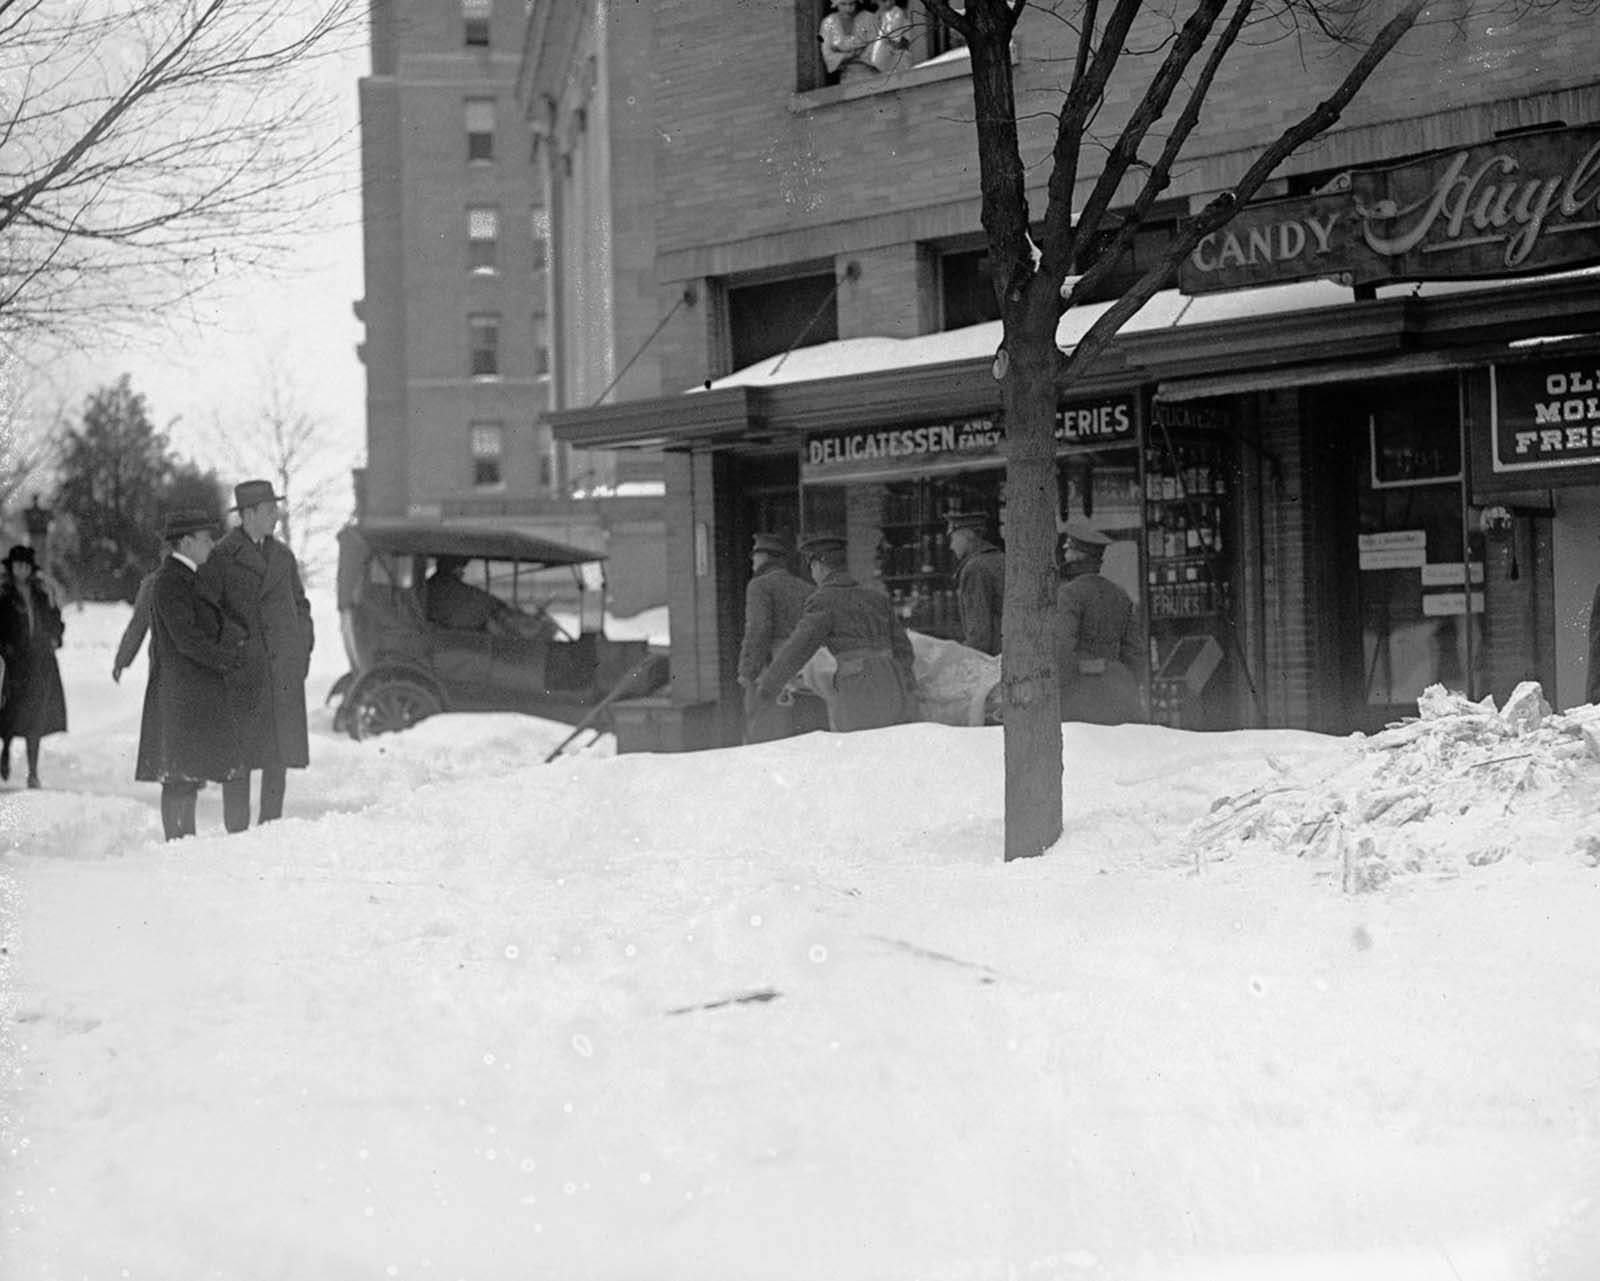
[(488, 450), (475, 18), (480, 129), (483, 241), (485, 334)]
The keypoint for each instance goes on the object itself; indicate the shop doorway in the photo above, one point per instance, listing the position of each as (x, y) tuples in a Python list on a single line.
[(1404, 604)]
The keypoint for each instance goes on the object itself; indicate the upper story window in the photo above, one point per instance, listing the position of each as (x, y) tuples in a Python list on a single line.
[(475, 21), (483, 241), (488, 454), (541, 347), (770, 317), (851, 41), (480, 128), (1149, 243), (484, 331), (966, 289)]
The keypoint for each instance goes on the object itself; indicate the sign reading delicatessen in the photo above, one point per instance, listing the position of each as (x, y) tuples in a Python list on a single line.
[(876, 453)]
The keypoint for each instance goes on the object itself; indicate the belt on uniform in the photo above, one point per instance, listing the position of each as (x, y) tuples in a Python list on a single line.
[(1091, 667), (852, 662)]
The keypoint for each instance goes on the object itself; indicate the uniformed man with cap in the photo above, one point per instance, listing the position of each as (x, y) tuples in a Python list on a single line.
[(1098, 649), (980, 580), (874, 682), (773, 602)]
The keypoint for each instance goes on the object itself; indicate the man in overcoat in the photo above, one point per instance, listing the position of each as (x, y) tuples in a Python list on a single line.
[(874, 681), (980, 581), (773, 602), (256, 581), (186, 735), (1098, 650)]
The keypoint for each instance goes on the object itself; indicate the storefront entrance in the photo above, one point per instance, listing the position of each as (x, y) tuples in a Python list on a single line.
[(1406, 601)]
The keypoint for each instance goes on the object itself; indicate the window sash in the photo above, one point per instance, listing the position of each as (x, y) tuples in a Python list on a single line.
[(488, 450), (485, 345)]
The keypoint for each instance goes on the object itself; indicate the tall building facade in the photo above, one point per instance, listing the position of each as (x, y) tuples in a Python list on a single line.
[(1330, 481), (458, 296)]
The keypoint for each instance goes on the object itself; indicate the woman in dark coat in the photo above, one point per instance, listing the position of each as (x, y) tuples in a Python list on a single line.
[(34, 704), (186, 735)]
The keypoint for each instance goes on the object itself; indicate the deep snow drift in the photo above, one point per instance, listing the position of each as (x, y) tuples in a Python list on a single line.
[(782, 1012)]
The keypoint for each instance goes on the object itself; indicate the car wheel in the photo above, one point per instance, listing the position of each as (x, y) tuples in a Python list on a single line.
[(389, 706)]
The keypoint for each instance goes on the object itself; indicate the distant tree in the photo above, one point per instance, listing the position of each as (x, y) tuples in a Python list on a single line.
[(118, 478), (145, 146)]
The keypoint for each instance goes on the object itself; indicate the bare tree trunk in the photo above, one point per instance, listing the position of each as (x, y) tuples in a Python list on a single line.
[(1028, 649)]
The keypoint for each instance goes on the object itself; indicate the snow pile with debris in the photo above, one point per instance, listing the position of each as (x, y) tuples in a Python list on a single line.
[(1462, 785)]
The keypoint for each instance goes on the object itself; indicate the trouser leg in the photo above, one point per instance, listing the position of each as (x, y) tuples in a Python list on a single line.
[(274, 782), (236, 803), (177, 809), (33, 759)]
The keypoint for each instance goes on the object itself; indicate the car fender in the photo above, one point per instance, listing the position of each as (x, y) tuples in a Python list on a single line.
[(398, 671)]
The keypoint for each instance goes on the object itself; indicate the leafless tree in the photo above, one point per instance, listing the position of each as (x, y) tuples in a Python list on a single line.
[(278, 439), (149, 146), (1103, 177)]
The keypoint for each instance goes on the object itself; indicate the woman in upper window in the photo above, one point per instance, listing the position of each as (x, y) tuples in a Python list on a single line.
[(892, 49), (847, 36)]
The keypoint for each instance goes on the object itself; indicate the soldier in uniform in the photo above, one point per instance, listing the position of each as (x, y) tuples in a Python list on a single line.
[(874, 682), (773, 602), (1098, 651), (980, 581)]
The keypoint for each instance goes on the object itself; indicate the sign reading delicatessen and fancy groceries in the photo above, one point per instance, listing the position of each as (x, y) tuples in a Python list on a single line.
[(875, 452), (1507, 207), (1545, 420)]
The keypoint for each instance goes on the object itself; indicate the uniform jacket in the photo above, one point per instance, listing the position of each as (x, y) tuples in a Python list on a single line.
[(138, 626), (773, 603), (258, 588), (874, 683), (34, 704), (981, 590), (187, 730), (1097, 651)]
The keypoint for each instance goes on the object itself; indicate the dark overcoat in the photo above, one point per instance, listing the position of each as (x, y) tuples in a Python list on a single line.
[(874, 682), (187, 731), (1098, 651), (981, 591), (34, 704), (138, 625), (258, 588)]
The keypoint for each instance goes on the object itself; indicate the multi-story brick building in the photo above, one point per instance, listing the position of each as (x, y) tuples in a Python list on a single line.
[(457, 307), (1307, 484)]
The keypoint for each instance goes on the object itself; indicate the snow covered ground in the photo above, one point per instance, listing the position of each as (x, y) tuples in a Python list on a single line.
[(783, 1012)]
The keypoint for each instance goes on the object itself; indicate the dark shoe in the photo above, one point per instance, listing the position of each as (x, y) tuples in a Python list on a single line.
[(5, 761), (33, 781)]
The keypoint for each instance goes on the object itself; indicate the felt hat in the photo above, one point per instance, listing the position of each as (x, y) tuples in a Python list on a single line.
[(250, 492), (771, 544), (190, 520), (20, 553), (1085, 535), (967, 520), (813, 544)]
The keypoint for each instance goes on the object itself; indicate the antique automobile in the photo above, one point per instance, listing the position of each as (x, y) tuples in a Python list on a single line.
[(451, 618)]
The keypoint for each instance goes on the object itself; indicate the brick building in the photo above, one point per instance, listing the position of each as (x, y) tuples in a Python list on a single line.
[(457, 303), (1304, 481)]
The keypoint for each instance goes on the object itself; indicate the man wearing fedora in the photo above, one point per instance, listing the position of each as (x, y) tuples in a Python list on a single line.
[(255, 580), (32, 701), (874, 681), (185, 736), (980, 580), (773, 602), (1098, 650)]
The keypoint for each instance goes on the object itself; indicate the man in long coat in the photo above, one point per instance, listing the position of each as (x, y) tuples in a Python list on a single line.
[(773, 602), (186, 735), (980, 581), (255, 579), (874, 681), (1098, 650)]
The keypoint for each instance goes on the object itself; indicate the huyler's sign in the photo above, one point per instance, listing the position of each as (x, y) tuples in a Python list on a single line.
[(1504, 208), (864, 453), (1545, 417)]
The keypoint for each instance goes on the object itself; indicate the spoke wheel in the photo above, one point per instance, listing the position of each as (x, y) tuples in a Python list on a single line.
[(391, 706)]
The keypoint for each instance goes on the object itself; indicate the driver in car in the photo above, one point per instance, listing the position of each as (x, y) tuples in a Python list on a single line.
[(459, 605)]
